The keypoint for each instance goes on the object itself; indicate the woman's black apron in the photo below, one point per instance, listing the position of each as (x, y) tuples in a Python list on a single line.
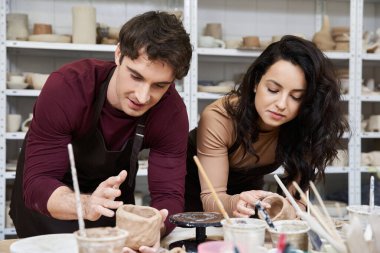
[(238, 181), (94, 164)]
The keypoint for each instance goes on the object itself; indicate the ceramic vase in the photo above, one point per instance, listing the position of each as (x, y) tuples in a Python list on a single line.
[(323, 38), (142, 222), (84, 24), (17, 26)]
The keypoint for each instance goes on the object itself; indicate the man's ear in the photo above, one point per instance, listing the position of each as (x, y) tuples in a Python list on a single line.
[(117, 54)]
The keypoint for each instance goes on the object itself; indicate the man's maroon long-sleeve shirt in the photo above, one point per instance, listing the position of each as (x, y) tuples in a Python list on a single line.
[(64, 109)]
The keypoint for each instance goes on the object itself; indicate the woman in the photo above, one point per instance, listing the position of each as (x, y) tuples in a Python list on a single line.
[(286, 112)]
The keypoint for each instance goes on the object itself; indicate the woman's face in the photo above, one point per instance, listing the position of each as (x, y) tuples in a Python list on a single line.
[(279, 94)]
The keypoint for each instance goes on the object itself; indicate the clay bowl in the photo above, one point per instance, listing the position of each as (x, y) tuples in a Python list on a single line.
[(143, 224)]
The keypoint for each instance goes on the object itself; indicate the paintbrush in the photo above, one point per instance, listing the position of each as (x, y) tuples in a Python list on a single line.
[(339, 246), (215, 196), (265, 214)]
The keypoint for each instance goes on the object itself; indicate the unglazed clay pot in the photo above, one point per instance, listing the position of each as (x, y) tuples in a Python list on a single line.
[(143, 224), (280, 209)]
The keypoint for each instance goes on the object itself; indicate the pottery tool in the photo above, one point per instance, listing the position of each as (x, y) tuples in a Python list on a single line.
[(216, 198), (313, 223), (76, 190), (314, 237), (330, 228), (371, 206), (320, 201), (209, 184), (372, 194), (265, 214)]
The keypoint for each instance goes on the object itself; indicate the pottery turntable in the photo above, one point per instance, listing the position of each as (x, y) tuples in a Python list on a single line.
[(197, 220)]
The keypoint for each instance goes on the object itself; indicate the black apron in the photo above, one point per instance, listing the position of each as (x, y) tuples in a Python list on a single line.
[(94, 164), (238, 181)]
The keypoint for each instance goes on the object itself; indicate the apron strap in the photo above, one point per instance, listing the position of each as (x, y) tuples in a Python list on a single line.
[(137, 144)]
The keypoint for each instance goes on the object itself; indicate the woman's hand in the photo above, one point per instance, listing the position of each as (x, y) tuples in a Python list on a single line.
[(156, 247), (102, 200), (246, 205)]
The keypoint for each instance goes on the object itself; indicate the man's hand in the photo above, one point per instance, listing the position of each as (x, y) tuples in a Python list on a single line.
[(156, 247), (246, 205), (102, 200)]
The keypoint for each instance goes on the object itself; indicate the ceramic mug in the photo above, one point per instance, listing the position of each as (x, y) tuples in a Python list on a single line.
[(208, 41)]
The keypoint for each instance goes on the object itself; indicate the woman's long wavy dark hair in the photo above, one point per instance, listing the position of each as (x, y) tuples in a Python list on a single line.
[(309, 142)]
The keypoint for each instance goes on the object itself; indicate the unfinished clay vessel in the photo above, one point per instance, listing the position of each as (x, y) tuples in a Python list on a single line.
[(143, 224), (280, 209), (323, 38)]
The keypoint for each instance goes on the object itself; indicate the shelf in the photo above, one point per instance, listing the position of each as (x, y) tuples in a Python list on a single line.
[(143, 170), (371, 57), (253, 53), (370, 135), (10, 231), (208, 95), (334, 169), (370, 169), (59, 46), (15, 135), (22, 93), (227, 52), (370, 98)]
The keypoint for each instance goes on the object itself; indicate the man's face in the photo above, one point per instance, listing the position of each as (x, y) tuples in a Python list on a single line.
[(138, 85)]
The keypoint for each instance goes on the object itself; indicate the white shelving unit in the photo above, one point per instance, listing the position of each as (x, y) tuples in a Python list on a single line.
[(238, 18)]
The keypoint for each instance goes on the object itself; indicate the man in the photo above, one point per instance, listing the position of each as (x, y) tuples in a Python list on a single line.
[(109, 111)]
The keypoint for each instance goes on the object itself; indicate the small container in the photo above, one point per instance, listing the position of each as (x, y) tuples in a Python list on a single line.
[(295, 231), (246, 232), (101, 239), (363, 213)]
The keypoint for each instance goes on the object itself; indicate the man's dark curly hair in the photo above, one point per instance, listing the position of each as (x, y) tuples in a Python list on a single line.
[(309, 142), (162, 36)]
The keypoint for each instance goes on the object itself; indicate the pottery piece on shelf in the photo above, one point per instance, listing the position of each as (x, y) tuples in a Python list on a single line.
[(142, 222), (341, 160), (323, 38), (26, 123), (371, 158), (84, 24), (54, 38), (39, 28), (280, 209), (17, 26), (39, 80), (214, 30), (374, 123), (13, 122), (17, 85), (209, 41)]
